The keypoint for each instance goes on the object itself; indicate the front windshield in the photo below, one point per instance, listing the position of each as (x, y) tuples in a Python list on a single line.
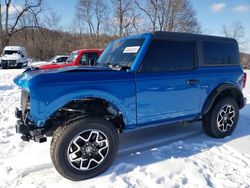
[(72, 57), (10, 52), (121, 53)]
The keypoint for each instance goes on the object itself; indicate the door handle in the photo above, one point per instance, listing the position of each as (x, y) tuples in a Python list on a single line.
[(192, 82)]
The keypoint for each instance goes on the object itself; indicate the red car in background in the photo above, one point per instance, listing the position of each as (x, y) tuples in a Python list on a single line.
[(84, 57)]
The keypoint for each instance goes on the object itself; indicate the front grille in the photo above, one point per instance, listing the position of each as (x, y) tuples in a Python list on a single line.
[(25, 103), (10, 62)]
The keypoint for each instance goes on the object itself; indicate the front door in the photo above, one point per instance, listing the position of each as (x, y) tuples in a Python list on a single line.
[(167, 87)]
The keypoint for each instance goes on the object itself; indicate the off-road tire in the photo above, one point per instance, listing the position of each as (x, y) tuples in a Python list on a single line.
[(64, 135), (209, 120)]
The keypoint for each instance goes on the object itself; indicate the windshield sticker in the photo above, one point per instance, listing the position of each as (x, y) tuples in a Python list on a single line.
[(131, 49)]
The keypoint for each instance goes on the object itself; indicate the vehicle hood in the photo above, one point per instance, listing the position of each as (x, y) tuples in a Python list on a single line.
[(68, 75), (11, 57)]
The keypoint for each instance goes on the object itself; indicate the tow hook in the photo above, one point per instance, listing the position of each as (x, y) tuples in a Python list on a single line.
[(25, 138), (28, 134), (18, 113), (40, 139)]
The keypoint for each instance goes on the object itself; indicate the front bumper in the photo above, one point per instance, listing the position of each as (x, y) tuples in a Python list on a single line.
[(27, 129), (12, 63)]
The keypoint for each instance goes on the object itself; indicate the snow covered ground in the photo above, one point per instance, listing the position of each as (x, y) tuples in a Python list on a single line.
[(167, 156)]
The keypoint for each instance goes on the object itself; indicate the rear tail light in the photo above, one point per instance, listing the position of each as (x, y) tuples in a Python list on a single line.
[(244, 80)]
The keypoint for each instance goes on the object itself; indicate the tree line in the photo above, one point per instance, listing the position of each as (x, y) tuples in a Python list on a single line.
[(96, 22)]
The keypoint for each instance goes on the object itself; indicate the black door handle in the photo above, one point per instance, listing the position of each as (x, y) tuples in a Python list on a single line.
[(192, 82)]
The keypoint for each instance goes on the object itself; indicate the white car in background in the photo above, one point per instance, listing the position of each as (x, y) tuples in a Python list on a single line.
[(14, 57), (56, 59)]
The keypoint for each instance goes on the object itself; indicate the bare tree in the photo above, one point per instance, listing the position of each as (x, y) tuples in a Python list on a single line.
[(52, 21), (124, 15), (94, 13), (85, 12), (182, 17), (163, 16), (237, 31), (1, 29), (170, 15), (101, 13), (14, 25), (151, 11)]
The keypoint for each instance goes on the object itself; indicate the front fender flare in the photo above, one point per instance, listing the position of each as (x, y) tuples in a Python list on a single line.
[(49, 109)]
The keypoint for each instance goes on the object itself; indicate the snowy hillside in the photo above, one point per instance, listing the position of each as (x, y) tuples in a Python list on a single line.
[(168, 156)]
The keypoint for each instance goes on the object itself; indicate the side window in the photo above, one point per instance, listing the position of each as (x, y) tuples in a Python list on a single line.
[(93, 57), (63, 59), (164, 55), (83, 60), (220, 53), (59, 60)]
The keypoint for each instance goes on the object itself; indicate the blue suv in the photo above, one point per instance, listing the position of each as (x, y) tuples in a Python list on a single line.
[(140, 81)]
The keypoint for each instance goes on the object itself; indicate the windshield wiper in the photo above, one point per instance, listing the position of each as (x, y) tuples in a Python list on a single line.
[(115, 66), (120, 66), (105, 64)]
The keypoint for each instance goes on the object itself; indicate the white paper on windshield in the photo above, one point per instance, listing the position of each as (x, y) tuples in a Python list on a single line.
[(131, 49)]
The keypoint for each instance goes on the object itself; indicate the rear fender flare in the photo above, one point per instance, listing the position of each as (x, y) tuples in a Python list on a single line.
[(216, 92)]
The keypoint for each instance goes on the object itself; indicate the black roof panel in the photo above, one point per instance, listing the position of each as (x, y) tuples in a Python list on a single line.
[(169, 35)]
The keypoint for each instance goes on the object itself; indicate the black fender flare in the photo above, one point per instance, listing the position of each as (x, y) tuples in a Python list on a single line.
[(233, 90)]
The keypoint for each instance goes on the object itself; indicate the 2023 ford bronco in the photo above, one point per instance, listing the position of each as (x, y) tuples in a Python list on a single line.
[(140, 81)]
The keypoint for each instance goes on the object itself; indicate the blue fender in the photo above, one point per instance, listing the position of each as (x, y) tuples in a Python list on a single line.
[(49, 109)]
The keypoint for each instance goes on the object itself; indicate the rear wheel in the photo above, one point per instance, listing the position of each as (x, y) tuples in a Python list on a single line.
[(222, 119), (84, 148)]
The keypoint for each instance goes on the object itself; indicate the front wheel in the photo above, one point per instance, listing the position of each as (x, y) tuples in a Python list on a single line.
[(222, 119), (84, 148)]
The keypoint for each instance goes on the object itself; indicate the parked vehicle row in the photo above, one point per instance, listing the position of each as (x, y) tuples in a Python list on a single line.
[(56, 59), (85, 57), (16, 57), (139, 81)]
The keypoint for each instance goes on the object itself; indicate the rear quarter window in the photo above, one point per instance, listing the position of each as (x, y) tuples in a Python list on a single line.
[(220, 53)]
